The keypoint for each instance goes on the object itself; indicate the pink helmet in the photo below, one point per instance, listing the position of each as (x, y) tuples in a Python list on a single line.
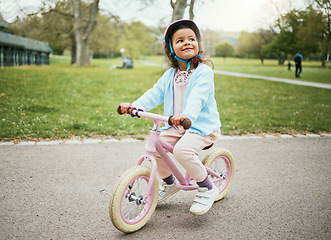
[(174, 26), (171, 29)]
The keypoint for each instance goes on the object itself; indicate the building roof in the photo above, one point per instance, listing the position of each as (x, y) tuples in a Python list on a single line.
[(7, 39)]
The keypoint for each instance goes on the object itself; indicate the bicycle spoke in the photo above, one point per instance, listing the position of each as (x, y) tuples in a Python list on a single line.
[(128, 213), (220, 167)]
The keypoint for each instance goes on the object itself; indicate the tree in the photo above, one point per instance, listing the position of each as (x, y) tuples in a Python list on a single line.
[(255, 44), (62, 25), (83, 30), (286, 40), (325, 7), (224, 49), (178, 9), (264, 38), (191, 13), (310, 31), (298, 31), (137, 40), (245, 44), (53, 25), (56, 28)]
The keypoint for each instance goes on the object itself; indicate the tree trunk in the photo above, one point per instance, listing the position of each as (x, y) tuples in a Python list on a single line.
[(178, 9), (280, 60), (82, 50), (191, 9), (82, 34), (73, 49), (262, 59), (326, 51)]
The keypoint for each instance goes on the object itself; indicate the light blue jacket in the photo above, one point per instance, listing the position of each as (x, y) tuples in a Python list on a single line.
[(199, 104)]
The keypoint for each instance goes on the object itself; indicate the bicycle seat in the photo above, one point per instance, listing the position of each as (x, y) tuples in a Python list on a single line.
[(207, 147)]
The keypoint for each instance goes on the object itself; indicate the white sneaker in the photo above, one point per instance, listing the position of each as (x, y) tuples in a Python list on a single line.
[(165, 191), (203, 201)]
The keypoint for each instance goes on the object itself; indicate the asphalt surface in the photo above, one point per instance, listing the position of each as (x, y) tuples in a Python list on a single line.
[(281, 191)]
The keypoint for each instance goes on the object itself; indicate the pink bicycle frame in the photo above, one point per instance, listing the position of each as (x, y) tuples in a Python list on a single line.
[(155, 144)]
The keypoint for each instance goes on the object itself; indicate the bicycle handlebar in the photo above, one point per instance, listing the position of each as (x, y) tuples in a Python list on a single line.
[(186, 123)]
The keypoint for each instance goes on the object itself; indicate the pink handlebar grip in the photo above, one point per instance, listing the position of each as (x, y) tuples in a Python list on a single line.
[(119, 111)]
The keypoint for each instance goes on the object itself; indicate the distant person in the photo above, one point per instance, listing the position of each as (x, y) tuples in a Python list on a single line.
[(289, 66), (127, 63), (298, 64)]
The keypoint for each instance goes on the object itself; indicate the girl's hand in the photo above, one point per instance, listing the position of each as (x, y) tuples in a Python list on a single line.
[(178, 118), (125, 107)]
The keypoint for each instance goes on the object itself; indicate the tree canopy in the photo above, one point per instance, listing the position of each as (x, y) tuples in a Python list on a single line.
[(307, 31), (224, 49)]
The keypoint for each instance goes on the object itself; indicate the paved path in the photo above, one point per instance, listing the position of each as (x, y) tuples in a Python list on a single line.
[(281, 191), (290, 81)]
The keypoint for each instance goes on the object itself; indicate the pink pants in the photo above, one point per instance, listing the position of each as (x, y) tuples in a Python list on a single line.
[(186, 148)]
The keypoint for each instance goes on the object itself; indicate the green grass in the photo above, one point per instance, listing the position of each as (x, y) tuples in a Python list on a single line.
[(60, 101), (257, 106)]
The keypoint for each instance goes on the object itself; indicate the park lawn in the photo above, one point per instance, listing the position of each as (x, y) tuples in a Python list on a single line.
[(311, 71), (259, 106), (61, 101)]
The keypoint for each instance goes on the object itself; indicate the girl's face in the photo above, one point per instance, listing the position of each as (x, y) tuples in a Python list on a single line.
[(185, 44)]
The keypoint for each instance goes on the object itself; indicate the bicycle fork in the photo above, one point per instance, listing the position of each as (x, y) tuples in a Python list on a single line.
[(149, 156)]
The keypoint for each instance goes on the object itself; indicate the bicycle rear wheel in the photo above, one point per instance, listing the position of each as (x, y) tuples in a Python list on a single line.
[(221, 162), (129, 209)]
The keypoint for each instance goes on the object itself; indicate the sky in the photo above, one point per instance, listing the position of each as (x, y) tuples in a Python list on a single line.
[(223, 15)]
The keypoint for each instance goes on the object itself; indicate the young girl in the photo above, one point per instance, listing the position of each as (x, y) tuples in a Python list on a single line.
[(187, 90)]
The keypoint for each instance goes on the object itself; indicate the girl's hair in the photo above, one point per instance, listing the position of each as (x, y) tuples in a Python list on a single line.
[(172, 62)]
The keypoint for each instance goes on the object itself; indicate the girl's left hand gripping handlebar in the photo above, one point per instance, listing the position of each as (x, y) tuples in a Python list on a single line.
[(186, 123)]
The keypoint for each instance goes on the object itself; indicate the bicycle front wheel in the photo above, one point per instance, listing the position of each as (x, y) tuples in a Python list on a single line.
[(221, 162), (129, 209)]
